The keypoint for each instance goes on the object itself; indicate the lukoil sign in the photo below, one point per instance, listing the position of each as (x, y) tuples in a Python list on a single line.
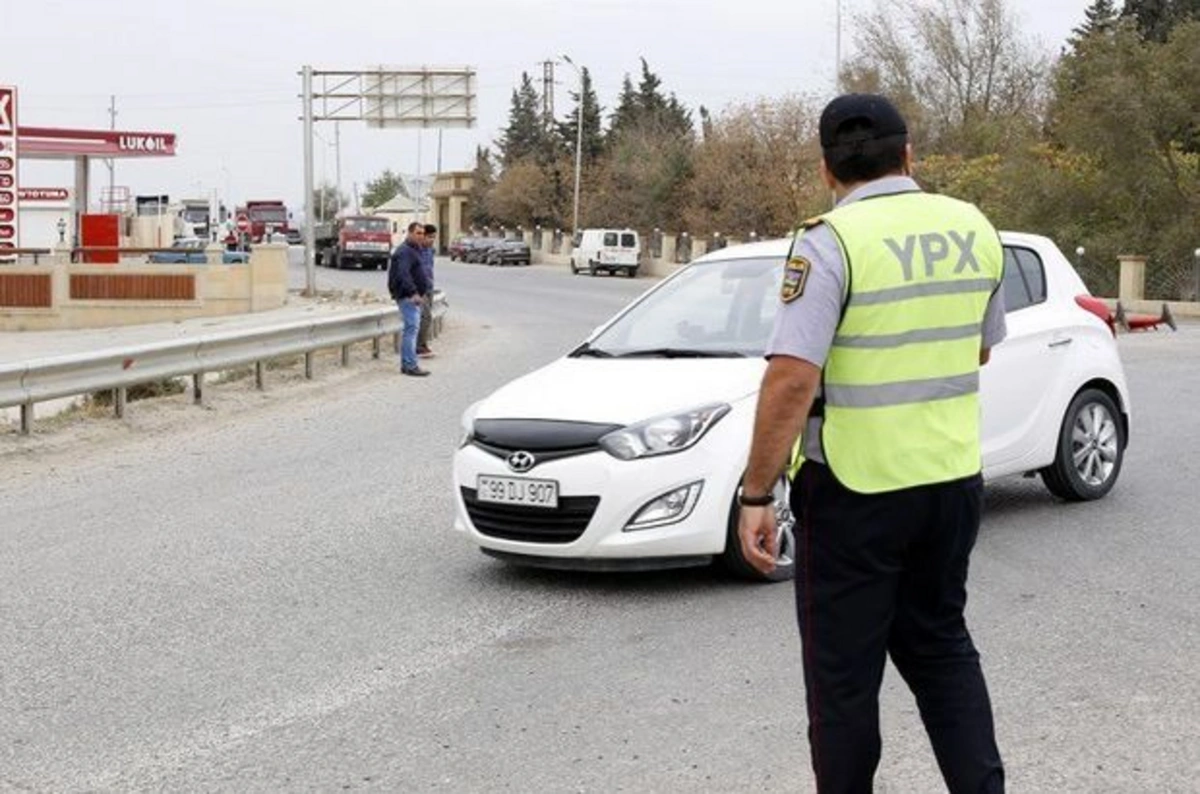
[(142, 143)]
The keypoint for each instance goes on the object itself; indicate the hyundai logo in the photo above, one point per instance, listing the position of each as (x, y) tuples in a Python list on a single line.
[(521, 461)]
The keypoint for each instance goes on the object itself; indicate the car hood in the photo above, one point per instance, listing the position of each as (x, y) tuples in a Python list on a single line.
[(622, 391)]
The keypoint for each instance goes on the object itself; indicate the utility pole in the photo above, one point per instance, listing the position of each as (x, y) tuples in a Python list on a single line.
[(337, 148), (547, 92), (420, 177), (110, 162), (310, 262)]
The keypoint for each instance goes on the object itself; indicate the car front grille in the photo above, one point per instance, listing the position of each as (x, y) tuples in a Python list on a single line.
[(564, 524)]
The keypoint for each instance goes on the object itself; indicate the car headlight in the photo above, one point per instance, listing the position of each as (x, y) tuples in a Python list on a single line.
[(663, 435), (670, 508)]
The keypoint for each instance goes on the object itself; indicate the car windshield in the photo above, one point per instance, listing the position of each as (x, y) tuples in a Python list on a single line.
[(715, 308)]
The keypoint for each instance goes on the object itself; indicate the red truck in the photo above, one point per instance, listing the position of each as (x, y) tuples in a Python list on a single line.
[(361, 241), (266, 218)]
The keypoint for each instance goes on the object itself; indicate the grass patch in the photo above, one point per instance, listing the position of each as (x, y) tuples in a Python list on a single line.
[(142, 391)]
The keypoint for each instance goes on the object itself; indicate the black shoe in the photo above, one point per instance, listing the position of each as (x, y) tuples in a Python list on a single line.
[(416, 372)]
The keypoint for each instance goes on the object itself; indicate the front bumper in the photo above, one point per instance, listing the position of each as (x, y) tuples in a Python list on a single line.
[(599, 495)]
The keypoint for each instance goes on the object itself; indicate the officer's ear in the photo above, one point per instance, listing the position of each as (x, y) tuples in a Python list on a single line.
[(827, 176)]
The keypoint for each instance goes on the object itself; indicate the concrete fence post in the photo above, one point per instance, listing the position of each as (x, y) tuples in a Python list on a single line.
[(1133, 278)]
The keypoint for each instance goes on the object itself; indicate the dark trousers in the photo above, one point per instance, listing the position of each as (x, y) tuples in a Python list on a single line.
[(886, 575), (426, 321)]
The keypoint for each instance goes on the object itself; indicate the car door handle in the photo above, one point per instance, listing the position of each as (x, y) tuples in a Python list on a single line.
[(1062, 342)]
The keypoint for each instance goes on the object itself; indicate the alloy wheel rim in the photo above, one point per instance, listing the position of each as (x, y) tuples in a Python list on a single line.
[(1094, 444)]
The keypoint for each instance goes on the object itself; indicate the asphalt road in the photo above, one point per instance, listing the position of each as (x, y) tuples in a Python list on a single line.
[(272, 600)]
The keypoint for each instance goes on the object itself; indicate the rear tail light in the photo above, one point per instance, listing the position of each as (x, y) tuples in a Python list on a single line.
[(1098, 308)]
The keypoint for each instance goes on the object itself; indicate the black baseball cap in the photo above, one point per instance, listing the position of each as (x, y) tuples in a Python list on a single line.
[(877, 118)]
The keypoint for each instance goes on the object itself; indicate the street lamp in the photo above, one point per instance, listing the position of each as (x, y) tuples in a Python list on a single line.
[(578, 142)]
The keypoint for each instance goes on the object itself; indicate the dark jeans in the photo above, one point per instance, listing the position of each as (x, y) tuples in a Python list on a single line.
[(886, 575), (426, 320)]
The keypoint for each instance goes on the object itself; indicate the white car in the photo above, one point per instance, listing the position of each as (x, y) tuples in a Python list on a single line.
[(628, 451)]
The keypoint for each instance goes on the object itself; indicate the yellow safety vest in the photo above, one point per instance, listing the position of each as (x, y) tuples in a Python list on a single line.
[(901, 382)]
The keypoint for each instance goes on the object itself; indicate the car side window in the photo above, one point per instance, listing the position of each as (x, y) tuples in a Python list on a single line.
[(627, 241), (1024, 280), (610, 239)]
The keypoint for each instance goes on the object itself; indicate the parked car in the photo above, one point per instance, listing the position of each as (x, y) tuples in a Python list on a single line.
[(608, 250), (514, 252), (477, 249), (458, 248), (190, 251), (628, 451)]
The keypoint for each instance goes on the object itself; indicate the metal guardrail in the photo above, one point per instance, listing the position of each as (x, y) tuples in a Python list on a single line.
[(116, 369)]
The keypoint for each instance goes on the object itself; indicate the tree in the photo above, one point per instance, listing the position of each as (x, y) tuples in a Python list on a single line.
[(593, 135), (971, 84), (1157, 18), (1099, 18), (757, 169), (626, 113), (482, 182), (383, 189), (524, 194), (648, 106), (643, 180), (328, 202), (1128, 105), (525, 135)]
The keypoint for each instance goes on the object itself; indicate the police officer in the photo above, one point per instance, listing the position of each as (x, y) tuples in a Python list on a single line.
[(890, 304)]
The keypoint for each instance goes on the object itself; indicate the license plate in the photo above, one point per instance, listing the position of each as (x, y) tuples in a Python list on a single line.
[(518, 491)]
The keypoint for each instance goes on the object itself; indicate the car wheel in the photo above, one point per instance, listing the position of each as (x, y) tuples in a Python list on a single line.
[(631, 272), (1091, 448), (785, 560)]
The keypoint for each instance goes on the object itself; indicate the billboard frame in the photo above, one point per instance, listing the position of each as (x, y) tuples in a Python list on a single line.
[(383, 97)]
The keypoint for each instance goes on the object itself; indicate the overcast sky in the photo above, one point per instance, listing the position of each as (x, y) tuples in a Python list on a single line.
[(223, 74)]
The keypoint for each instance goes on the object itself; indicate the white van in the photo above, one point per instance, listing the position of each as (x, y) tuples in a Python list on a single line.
[(609, 250)]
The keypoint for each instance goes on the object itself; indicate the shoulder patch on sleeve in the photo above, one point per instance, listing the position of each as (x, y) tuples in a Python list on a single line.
[(795, 274)]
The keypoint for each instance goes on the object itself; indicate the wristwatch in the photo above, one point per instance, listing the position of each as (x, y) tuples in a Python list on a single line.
[(756, 501)]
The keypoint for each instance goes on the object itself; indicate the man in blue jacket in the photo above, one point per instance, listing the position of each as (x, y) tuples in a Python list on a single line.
[(428, 250), (410, 288)]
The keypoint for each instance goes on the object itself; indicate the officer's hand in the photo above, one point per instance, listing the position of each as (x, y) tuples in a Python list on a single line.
[(756, 530)]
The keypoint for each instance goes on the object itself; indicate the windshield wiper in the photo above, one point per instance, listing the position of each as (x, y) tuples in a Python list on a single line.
[(681, 352), (587, 350)]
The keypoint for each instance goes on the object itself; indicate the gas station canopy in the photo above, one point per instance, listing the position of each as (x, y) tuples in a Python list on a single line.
[(50, 143)]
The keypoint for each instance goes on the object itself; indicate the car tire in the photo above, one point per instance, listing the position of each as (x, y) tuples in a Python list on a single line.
[(735, 563), (631, 272), (1091, 449)]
